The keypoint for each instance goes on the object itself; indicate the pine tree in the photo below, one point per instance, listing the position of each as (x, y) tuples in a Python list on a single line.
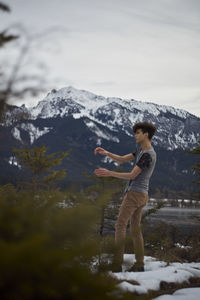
[(41, 165), (196, 168)]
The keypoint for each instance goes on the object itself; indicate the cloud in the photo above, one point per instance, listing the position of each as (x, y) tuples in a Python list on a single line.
[(142, 49)]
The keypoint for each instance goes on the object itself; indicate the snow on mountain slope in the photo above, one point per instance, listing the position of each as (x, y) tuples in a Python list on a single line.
[(16, 134), (176, 128), (87, 103), (51, 107), (101, 134), (34, 132)]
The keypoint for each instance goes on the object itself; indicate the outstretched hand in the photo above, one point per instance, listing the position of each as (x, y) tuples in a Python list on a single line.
[(100, 150), (102, 172)]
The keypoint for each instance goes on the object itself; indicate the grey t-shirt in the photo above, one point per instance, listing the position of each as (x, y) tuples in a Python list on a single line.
[(146, 160)]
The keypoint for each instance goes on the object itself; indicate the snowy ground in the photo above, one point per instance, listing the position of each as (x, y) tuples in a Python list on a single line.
[(183, 294), (155, 272)]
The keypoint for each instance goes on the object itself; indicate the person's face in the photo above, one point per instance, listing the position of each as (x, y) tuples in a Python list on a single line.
[(140, 136)]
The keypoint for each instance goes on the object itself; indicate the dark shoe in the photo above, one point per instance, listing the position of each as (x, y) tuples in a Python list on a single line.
[(116, 268), (110, 267), (136, 268)]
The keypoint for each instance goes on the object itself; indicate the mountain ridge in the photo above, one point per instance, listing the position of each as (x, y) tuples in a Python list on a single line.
[(176, 128), (85, 97)]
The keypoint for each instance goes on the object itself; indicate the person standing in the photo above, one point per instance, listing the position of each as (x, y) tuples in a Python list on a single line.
[(135, 194)]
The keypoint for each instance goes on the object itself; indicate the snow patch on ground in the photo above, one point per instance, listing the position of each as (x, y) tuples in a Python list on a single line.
[(182, 294), (155, 272)]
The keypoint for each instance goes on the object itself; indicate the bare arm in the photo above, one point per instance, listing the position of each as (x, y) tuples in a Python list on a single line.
[(121, 159), (127, 157), (118, 158), (104, 172)]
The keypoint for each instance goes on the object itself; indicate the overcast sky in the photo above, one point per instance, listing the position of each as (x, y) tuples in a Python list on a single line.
[(147, 50)]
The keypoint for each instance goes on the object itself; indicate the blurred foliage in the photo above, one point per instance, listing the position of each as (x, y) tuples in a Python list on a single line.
[(15, 84), (4, 39), (46, 250), (50, 250), (4, 7)]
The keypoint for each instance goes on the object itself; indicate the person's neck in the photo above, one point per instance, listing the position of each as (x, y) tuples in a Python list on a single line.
[(146, 145)]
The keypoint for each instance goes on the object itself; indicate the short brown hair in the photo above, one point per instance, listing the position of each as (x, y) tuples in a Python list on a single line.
[(145, 127)]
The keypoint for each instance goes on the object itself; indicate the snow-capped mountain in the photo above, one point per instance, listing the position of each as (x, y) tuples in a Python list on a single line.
[(79, 120), (176, 128)]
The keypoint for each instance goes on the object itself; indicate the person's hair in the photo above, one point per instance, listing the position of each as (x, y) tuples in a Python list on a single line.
[(145, 127)]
